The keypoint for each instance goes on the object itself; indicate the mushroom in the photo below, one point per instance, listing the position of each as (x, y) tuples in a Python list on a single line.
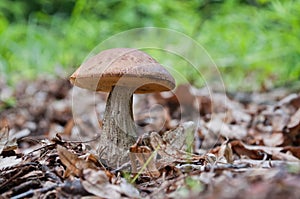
[(121, 72)]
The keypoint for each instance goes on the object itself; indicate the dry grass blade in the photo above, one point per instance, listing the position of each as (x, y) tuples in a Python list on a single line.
[(170, 154)]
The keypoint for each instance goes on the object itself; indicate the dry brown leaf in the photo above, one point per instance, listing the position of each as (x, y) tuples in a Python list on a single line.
[(266, 164), (181, 136), (296, 102), (261, 152), (295, 150), (226, 152), (9, 161), (284, 156), (74, 164), (97, 183), (3, 138), (274, 139), (184, 95), (143, 160), (68, 128), (238, 115), (69, 160), (217, 126), (280, 120), (205, 104), (170, 154), (290, 99), (294, 120), (6, 142), (234, 132), (239, 148), (181, 103), (128, 189), (210, 158)]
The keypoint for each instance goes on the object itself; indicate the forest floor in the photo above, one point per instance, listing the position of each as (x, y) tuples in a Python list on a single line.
[(246, 144)]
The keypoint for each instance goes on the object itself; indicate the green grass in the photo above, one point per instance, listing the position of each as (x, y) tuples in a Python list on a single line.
[(256, 44), (253, 46)]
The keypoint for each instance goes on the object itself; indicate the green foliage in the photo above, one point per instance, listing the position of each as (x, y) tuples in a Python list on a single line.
[(255, 43), (251, 41), (192, 186), (293, 168), (7, 103)]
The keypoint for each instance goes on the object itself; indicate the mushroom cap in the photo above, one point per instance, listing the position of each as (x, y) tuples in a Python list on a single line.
[(123, 67)]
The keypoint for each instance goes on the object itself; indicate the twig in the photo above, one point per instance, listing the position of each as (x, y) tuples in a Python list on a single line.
[(122, 167), (31, 192)]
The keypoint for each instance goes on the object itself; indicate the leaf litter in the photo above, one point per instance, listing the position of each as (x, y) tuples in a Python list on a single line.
[(192, 144)]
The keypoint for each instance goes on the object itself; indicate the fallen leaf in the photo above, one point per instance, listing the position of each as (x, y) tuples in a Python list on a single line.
[(284, 156), (240, 116), (143, 160), (280, 120), (261, 152), (296, 102), (294, 120), (266, 164), (180, 136), (274, 139), (68, 128), (97, 183), (239, 148), (169, 154), (7, 143), (288, 99), (210, 158), (128, 189), (204, 104), (226, 152), (295, 150), (231, 131), (74, 164), (156, 118), (3, 138), (9, 161)]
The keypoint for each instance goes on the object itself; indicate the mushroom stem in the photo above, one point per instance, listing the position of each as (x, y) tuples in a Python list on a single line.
[(119, 131)]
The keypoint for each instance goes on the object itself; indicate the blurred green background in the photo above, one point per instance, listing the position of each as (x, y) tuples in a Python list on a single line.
[(255, 43)]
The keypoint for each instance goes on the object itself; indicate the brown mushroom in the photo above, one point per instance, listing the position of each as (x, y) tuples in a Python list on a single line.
[(121, 72)]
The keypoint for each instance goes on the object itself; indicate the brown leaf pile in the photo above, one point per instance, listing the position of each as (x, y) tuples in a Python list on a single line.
[(249, 143)]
